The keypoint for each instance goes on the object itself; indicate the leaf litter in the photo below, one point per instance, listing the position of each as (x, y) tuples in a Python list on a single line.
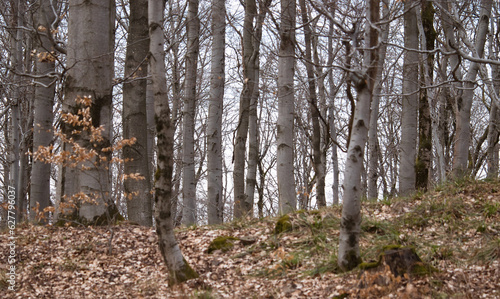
[(455, 228)]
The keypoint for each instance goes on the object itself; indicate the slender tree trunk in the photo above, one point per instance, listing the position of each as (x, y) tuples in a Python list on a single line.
[(90, 53), (423, 164), (16, 62), (240, 207), (464, 103), (373, 147), (493, 128), (350, 225), (214, 126), (314, 109), (286, 99), (135, 122), (189, 113), (407, 176), (331, 114), (43, 105), (179, 270), (253, 124)]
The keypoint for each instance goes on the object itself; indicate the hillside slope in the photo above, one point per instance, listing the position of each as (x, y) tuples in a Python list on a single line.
[(455, 228)]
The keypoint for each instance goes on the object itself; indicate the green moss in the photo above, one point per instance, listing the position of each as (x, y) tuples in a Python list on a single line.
[(392, 247), (223, 243), (283, 225), (421, 269), (184, 274), (351, 261), (369, 265)]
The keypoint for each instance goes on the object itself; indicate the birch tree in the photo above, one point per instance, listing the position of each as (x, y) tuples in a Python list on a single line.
[(214, 126), (350, 225), (137, 191), (179, 270), (286, 99)]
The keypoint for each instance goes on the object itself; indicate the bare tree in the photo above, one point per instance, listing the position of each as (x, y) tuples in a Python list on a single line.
[(138, 191), (407, 175), (373, 144), (241, 204), (318, 161), (214, 129), (189, 112), (177, 266), (90, 61), (45, 24), (286, 100), (350, 225), (423, 164), (464, 101)]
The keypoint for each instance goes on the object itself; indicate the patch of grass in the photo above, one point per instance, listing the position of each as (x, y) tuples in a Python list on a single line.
[(326, 266), (491, 209), (490, 252)]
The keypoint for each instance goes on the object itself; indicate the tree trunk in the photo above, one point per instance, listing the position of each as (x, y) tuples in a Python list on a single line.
[(179, 270), (373, 146), (423, 164), (138, 192), (17, 65), (90, 54), (493, 128), (286, 98), (407, 176), (43, 105), (240, 207), (253, 123), (314, 109), (189, 112), (331, 114), (214, 126), (464, 103), (350, 225)]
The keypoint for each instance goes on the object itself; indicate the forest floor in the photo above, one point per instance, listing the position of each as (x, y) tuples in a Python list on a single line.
[(455, 228)]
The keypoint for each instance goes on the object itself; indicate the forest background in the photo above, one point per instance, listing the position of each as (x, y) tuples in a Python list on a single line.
[(241, 109)]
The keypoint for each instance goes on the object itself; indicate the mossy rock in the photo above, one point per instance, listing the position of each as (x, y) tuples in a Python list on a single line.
[(283, 225), (223, 243)]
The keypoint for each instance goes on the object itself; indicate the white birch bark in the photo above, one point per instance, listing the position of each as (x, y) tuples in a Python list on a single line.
[(350, 225), (179, 270)]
